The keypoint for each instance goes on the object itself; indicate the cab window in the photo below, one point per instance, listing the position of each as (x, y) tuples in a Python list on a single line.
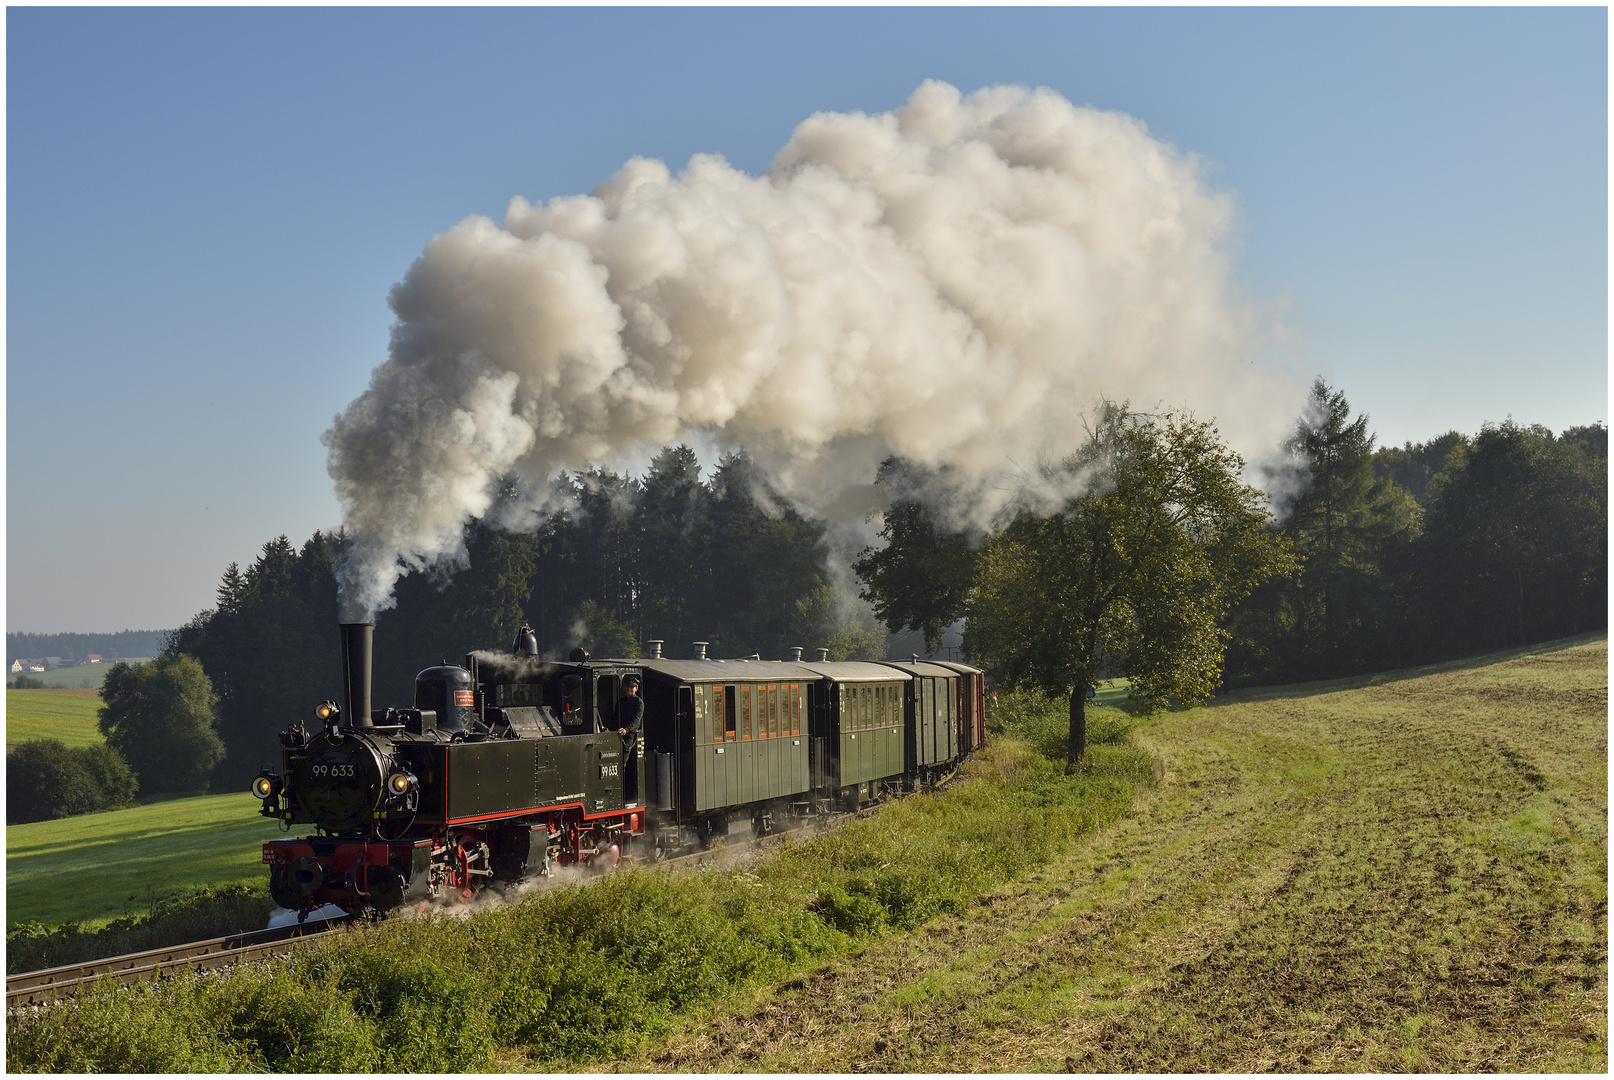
[(571, 699)]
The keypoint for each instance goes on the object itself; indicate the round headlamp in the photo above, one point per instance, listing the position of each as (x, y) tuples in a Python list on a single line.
[(326, 709), (398, 783), (262, 787)]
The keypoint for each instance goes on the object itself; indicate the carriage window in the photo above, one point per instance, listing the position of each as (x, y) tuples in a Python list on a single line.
[(795, 708), (773, 712), (745, 712), (728, 712)]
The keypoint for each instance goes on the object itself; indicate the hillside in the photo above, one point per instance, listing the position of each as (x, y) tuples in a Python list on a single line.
[(1406, 872), (96, 867), (70, 716)]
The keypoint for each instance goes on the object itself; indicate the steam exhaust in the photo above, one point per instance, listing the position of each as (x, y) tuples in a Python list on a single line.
[(357, 642)]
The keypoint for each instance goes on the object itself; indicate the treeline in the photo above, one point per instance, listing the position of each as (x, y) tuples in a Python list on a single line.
[(670, 555), (1427, 551), (1381, 558), (126, 643), (1164, 567)]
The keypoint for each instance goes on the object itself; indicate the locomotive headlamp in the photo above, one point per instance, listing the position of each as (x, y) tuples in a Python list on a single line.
[(266, 785), (399, 783), (325, 710)]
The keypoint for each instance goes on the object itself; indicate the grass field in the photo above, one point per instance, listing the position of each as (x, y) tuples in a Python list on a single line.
[(1400, 873), (97, 867), (70, 716), (82, 677)]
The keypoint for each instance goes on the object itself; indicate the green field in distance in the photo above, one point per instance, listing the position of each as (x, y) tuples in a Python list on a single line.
[(97, 867), (83, 677), (71, 717)]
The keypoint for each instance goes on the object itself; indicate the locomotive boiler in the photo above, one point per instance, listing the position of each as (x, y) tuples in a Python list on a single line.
[(511, 765)]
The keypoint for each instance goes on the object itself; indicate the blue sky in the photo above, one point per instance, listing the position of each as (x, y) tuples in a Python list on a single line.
[(206, 209)]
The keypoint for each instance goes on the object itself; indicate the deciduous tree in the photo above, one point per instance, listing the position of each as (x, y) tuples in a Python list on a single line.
[(161, 718), (921, 577), (1133, 576)]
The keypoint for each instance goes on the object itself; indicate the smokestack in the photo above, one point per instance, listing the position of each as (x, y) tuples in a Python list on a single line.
[(357, 639), (700, 649), (823, 656), (655, 648), (795, 654)]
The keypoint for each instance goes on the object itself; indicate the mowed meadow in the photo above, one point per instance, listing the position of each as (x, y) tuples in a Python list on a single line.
[(71, 717), (92, 869), (1405, 872), (1400, 872)]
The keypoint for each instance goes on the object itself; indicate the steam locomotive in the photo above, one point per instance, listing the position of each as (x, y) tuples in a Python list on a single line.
[(511, 765)]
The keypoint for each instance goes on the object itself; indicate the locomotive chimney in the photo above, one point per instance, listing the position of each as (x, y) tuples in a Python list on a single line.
[(356, 642), (655, 648), (795, 654), (700, 649)]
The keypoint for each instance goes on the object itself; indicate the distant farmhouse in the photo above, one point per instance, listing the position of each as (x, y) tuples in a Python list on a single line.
[(51, 663)]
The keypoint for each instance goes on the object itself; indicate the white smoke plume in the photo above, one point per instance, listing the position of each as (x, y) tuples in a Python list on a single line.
[(952, 282)]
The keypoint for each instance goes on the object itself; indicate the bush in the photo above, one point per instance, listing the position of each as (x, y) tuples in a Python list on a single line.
[(26, 682), (45, 780)]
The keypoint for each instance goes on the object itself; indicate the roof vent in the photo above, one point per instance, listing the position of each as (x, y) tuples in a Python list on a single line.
[(655, 647), (795, 654), (700, 649), (823, 656), (916, 658)]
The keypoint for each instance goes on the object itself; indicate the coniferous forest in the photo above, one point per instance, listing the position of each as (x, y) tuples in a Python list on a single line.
[(1405, 554)]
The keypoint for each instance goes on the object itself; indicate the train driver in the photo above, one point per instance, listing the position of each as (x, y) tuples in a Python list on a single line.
[(629, 722)]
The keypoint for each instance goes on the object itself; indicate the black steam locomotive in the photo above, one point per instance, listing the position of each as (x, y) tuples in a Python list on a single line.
[(510, 765)]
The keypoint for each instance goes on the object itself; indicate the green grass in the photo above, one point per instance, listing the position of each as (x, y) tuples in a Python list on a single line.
[(97, 867), (70, 718), (1400, 873), (82, 677), (573, 974), (1406, 872)]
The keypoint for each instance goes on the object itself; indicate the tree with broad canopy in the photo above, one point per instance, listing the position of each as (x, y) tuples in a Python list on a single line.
[(1133, 576)]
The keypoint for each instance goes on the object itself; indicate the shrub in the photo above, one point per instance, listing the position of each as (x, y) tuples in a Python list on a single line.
[(45, 780)]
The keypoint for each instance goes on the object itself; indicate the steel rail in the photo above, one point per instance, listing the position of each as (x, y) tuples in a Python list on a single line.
[(40, 987)]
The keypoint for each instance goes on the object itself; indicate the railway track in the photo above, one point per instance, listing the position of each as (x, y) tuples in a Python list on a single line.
[(53, 984), (39, 987)]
